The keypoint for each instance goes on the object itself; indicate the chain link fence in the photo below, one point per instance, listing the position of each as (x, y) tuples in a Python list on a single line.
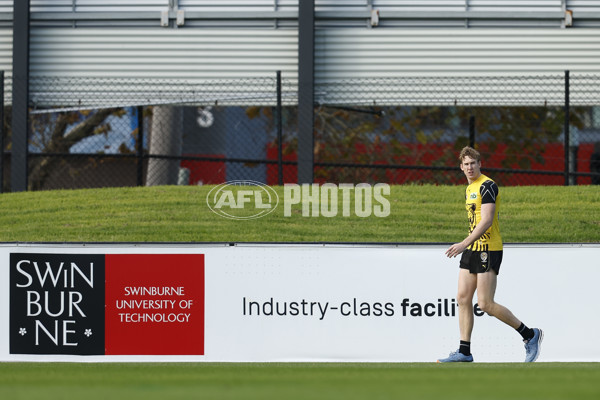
[(410, 130), (88, 132)]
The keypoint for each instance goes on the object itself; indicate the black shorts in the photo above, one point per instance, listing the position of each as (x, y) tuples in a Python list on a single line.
[(479, 262)]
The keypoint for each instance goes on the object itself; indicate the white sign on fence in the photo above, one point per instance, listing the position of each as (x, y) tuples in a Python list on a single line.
[(283, 302)]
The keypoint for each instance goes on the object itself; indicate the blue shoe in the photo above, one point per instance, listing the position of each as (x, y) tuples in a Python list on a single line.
[(533, 346), (456, 356)]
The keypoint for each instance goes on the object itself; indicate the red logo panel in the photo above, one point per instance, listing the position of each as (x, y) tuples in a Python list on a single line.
[(154, 304)]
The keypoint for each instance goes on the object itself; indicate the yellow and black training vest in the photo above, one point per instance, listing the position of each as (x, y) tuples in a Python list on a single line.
[(482, 191)]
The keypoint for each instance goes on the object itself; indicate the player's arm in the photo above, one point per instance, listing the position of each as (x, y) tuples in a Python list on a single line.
[(487, 218)]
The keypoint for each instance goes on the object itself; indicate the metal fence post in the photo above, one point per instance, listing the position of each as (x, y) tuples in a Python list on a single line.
[(566, 128), (140, 146), (1, 131), (306, 98), (279, 132), (20, 97)]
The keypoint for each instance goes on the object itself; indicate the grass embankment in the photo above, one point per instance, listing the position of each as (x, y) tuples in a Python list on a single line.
[(180, 214)]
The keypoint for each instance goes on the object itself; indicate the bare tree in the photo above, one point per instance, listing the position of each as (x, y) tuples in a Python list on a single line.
[(53, 135)]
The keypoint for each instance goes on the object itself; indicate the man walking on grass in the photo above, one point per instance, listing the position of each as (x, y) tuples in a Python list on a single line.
[(480, 262)]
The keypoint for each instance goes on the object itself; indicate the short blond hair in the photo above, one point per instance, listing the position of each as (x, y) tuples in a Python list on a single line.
[(469, 152)]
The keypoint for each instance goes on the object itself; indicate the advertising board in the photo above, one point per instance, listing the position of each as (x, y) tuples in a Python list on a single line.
[(283, 302)]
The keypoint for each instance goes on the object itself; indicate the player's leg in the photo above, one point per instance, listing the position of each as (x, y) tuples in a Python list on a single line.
[(486, 289), (467, 283)]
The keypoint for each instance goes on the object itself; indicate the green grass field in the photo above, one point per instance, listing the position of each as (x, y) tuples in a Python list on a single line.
[(299, 381), (180, 214)]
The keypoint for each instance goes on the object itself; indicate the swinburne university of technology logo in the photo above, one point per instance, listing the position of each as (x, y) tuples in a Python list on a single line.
[(242, 199), (57, 304), (107, 304)]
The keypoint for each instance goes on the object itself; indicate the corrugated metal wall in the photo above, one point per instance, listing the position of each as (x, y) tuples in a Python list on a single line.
[(481, 38), (6, 44), (351, 53), (6, 50), (145, 63), (6, 62), (261, 46), (97, 5), (255, 38), (187, 54)]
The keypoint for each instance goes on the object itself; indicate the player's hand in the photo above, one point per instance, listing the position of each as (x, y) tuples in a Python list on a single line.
[(455, 250)]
